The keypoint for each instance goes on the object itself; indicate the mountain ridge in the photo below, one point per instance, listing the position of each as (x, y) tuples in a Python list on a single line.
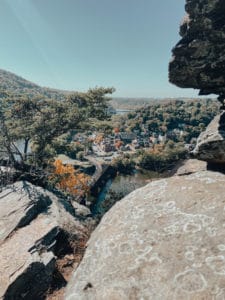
[(18, 85)]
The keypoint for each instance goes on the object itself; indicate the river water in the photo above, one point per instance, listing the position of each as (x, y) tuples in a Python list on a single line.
[(122, 111), (120, 186)]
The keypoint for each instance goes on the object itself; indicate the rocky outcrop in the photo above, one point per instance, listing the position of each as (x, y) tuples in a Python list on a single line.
[(211, 143), (19, 205), (199, 62), (199, 57), (191, 166), (162, 241), (81, 210), (36, 229)]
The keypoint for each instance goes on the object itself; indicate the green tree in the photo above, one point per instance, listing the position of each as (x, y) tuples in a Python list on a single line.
[(124, 164), (40, 121)]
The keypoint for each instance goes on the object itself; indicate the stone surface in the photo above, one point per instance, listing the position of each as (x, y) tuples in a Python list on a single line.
[(199, 57), (21, 258), (19, 204), (210, 145), (81, 210), (191, 166), (35, 228), (163, 241)]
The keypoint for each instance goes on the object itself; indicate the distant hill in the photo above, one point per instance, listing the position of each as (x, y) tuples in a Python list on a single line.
[(17, 85), (137, 103)]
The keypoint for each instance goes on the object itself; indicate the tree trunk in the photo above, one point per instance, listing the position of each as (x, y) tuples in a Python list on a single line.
[(26, 143)]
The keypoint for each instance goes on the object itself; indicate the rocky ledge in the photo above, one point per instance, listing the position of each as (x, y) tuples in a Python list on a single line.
[(199, 57), (41, 239), (163, 241), (211, 143)]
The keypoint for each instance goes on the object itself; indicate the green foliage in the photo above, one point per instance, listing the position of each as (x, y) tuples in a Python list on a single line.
[(124, 164), (92, 104), (164, 159), (103, 126), (63, 145), (18, 86), (189, 117), (41, 121)]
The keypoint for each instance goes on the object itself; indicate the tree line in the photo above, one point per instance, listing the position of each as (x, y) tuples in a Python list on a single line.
[(37, 122)]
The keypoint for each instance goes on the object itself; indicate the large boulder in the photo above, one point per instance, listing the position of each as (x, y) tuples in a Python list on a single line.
[(163, 241), (210, 145), (199, 57), (36, 228)]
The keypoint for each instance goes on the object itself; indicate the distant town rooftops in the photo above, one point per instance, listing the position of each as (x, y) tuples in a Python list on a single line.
[(128, 136)]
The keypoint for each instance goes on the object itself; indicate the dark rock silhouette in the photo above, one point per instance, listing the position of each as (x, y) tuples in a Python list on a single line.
[(199, 57)]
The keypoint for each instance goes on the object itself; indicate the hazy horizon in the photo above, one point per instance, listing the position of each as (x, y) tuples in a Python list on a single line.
[(113, 96)]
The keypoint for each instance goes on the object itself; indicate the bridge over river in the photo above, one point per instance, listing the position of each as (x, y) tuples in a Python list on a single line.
[(102, 172)]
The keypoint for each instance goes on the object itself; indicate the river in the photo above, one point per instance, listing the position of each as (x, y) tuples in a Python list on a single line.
[(120, 186), (122, 111)]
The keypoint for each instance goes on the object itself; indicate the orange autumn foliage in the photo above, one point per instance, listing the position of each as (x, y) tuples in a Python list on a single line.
[(99, 138), (70, 180)]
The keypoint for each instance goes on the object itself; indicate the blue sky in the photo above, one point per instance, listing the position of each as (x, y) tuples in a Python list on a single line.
[(77, 44)]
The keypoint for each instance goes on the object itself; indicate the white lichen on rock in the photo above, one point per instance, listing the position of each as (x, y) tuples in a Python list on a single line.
[(163, 241)]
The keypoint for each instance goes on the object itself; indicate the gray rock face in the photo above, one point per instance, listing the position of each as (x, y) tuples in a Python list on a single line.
[(32, 222), (199, 57), (23, 265), (163, 241), (19, 205), (191, 166), (210, 145), (81, 210)]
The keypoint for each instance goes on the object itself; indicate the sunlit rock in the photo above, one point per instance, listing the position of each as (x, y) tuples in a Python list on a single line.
[(211, 143), (162, 241)]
